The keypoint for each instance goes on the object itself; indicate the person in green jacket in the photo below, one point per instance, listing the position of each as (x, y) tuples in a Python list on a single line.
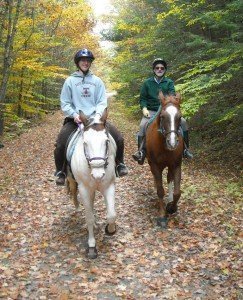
[(149, 103)]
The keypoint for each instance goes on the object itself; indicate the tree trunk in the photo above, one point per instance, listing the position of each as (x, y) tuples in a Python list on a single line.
[(8, 51)]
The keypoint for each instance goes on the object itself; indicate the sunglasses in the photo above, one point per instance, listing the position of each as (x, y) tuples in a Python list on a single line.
[(84, 59), (159, 68)]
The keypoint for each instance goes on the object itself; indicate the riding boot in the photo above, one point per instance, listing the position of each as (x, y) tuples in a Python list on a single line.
[(60, 150), (187, 153), (121, 168), (60, 166), (140, 155)]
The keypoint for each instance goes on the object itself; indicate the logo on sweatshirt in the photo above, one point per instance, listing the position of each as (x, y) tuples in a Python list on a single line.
[(86, 92)]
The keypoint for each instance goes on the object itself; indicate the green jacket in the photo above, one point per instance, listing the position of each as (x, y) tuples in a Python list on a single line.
[(150, 91)]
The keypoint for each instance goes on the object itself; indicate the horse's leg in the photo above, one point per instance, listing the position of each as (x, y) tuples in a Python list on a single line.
[(170, 182), (157, 173), (72, 187), (172, 206), (109, 195), (87, 197)]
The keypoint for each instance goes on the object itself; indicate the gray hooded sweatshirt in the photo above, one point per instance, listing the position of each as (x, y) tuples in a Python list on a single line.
[(86, 93)]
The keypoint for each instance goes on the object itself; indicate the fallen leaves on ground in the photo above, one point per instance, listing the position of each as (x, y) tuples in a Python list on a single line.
[(43, 238)]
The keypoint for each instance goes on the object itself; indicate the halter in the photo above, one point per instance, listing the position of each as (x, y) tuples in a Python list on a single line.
[(105, 159), (165, 133)]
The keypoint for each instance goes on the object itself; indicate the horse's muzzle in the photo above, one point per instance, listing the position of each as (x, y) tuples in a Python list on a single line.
[(172, 141), (98, 173)]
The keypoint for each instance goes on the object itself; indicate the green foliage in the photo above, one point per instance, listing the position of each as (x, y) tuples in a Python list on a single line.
[(199, 40), (202, 43), (235, 190), (47, 36)]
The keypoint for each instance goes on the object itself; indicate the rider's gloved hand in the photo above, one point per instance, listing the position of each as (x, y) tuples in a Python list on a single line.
[(145, 112)]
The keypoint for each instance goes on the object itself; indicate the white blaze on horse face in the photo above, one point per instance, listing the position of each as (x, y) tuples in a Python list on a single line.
[(172, 111)]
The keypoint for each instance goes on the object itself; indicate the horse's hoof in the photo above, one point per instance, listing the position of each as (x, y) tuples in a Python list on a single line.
[(107, 231), (76, 206), (91, 252), (170, 208), (162, 222)]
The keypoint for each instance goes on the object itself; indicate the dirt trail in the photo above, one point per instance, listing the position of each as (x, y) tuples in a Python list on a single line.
[(43, 239)]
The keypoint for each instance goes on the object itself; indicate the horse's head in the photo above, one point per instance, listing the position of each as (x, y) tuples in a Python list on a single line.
[(96, 142), (170, 119)]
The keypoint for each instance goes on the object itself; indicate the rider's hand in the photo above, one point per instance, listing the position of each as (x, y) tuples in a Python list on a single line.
[(145, 112), (77, 119)]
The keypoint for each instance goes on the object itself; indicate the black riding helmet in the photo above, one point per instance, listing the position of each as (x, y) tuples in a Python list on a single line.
[(83, 53), (159, 61)]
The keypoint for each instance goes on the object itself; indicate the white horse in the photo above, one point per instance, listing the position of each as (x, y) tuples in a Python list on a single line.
[(93, 169)]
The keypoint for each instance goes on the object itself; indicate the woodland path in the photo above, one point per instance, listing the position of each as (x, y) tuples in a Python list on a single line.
[(43, 239)]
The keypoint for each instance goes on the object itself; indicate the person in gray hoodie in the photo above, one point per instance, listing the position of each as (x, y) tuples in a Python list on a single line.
[(83, 91)]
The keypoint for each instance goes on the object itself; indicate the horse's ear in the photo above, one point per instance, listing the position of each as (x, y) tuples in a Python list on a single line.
[(162, 98), (104, 115), (83, 117)]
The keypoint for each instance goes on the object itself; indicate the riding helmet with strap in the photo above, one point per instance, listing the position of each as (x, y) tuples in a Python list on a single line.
[(83, 53), (159, 61)]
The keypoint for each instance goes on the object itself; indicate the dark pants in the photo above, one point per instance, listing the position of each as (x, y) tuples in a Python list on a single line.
[(70, 126)]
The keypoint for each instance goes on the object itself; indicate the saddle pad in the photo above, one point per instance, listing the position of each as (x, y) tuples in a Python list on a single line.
[(71, 145), (154, 116)]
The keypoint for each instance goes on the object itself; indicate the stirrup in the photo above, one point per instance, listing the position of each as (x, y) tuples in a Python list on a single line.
[(61, 176), (142, 158), (187, 154), (60, 173), (138, 155), (121, 170)]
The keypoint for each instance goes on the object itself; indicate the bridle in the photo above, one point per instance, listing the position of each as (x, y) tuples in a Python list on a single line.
[(165, 132), (90, 159)]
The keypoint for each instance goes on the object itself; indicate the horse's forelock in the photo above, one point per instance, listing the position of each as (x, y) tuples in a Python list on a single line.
[(171, 99), (96, 126)]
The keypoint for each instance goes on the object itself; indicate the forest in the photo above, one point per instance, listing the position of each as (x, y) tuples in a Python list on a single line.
[(200, 40), (43, 238)]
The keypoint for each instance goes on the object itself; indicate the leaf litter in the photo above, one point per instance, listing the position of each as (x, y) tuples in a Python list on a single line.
[(43, 238)]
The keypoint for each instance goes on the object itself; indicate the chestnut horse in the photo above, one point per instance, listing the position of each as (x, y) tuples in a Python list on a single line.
[(164, 144)]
